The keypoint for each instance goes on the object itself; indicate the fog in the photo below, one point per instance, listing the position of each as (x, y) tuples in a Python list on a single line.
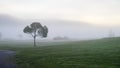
[(74, 19), (12, 27)]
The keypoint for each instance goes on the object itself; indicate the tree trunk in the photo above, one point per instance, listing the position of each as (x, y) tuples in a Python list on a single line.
[(34, 41)]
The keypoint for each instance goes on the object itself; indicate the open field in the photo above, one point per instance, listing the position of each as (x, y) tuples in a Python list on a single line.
[(103, 53)]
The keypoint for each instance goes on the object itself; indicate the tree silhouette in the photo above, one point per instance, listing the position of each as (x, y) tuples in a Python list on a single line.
[(36, 29)]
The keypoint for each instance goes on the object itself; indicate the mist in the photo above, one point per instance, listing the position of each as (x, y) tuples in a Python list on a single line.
[(12, 28), (79, 19), (59, 33)]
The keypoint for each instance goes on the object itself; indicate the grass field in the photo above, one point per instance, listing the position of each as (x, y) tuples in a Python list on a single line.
[(103, 53)]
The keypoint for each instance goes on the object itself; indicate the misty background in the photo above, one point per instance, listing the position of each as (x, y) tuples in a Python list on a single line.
[(75, 19)]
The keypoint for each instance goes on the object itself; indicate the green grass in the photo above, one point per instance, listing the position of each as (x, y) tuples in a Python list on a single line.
[(103, 53)]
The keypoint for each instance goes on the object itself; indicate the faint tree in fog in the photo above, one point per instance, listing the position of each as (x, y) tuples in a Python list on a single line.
[(111, 33), (36, 29), (20, 36)]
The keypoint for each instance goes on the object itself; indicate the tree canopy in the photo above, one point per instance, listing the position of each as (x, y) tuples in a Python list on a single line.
[(36, 29)]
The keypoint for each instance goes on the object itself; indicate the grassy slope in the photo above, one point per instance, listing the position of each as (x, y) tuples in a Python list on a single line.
[(104, 53)]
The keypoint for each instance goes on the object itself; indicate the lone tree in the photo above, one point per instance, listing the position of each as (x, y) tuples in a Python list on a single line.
[(36, 29)]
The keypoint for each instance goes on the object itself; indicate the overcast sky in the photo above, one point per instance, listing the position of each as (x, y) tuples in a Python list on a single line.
[(100, 12), (72, 18)]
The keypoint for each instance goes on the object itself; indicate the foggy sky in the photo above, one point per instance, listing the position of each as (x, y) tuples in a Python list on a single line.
[(101, 12), (11, 28), (81, 19)]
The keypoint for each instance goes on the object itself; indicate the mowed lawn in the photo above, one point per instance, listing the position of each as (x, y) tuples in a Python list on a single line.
[(102, 53)]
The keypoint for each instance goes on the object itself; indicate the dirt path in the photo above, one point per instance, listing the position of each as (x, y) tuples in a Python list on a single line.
[(7, 59)]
